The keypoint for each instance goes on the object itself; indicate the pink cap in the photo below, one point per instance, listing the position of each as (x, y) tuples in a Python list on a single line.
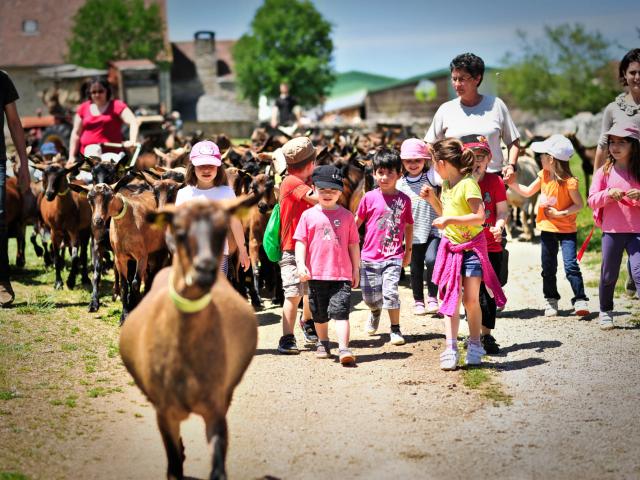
[(205, 153), (414, 148), (624, 129)]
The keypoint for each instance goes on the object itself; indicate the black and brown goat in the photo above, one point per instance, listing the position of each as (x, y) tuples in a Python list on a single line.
[(192, 337), (67, 215)]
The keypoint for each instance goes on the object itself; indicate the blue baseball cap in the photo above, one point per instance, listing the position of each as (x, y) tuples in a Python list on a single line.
[(48, 148)]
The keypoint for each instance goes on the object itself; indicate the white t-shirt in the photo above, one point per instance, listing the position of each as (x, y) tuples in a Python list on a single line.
[(190, 192), (490, 118)]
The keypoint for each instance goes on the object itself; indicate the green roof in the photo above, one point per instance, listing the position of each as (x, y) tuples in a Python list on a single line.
[(350, 82), (442, 72)]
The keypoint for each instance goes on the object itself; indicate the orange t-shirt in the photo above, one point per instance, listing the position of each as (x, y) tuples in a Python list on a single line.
[(292, 204), (556, 194)]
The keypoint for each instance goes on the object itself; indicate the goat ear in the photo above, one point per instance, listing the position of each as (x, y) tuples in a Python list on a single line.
[(161, 154), (160, 218), (92, 161), (73, 167), (76, 187), (126, 178)]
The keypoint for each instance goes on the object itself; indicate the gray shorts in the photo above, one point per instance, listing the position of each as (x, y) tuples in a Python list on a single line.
[(379, 283), (291, 283)]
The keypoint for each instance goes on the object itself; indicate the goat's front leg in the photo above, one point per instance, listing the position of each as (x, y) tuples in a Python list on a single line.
[(58, 259), (75, 262), (220, 439), (170, 430), (34, 241), (96, 256), (20, 251)]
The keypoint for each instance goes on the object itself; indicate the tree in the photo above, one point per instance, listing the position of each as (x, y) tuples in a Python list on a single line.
[(106, 30), (289, 42), (569, 71)]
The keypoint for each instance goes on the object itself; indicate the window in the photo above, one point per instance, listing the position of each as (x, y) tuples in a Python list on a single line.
[(30, 27)]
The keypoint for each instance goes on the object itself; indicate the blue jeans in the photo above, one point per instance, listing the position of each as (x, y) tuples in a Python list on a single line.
[(549, 242)]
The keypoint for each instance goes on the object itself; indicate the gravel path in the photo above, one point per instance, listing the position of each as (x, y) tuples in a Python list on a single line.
[(574, 410)]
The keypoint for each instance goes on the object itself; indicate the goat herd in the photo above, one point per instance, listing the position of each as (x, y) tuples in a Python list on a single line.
[(119, 212)]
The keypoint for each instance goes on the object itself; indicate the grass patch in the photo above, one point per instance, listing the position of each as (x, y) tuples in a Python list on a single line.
[(113, 350), (97, 392), (13, 476), (8, 394), (474, 378), (38, 304)]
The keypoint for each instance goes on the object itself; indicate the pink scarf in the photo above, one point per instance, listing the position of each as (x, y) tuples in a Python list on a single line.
[(447, 272)]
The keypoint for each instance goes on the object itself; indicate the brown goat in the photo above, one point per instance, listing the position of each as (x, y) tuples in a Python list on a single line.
[(132, 240), (67, 215), (190, 340)]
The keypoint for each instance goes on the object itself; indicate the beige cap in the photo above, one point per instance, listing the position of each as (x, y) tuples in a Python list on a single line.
[(299, 151)]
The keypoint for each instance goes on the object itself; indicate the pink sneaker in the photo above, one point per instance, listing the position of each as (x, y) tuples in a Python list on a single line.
[(418, 308), (432, 305)]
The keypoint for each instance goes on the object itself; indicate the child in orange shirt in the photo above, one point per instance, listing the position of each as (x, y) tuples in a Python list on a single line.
[(560, 202)]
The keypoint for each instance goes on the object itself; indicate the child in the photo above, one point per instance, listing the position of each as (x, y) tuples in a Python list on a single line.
[(462, 262), (295, 197), (494, 197), (328, 256), (560, 202), (205, 177), (386, 213), (615, 192), (415, 155)]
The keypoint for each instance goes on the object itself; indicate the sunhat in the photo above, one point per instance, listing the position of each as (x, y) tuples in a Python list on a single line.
[(414, 148), (626, 129), (558, 146), (298, 152)]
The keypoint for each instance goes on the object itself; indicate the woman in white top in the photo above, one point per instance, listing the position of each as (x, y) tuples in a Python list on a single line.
[(205, 178), (474, 113)]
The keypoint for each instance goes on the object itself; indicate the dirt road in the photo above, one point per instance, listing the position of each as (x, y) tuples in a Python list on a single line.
[(560, 402), (570, 410)]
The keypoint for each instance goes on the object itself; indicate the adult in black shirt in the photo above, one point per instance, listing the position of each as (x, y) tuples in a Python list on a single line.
[(283, 110), (8, 97)]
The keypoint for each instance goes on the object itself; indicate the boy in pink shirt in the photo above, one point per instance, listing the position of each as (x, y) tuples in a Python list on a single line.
[(386, 213), (327, 256)]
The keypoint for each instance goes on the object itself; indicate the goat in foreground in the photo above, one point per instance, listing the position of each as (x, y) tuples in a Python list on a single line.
[(191, 338)]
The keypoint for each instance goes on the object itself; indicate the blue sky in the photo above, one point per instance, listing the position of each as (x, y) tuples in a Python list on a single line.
[(402, 38)]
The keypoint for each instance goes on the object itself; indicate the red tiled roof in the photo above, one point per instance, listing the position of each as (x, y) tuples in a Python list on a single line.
[(223, 50), (133, 64), (49, 45)]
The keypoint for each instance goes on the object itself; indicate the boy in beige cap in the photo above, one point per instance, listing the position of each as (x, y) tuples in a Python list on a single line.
[(295, 197)]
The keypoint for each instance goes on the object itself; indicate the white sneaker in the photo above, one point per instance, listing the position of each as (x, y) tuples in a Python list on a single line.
[(397, 338), (474, 354), (372, 323), (550, 307), (432, 305), (449, 359), (605, 321), (581, 308), (418, 308)]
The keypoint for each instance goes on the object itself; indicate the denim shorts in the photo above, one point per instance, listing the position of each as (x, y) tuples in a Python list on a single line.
[(329, 299), (471, 266)]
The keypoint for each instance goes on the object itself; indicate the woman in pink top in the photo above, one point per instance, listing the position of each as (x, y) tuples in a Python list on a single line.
[(615, 198), (100, 120)]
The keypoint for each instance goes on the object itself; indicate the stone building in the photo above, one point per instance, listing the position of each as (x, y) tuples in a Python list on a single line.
[(203, 82)]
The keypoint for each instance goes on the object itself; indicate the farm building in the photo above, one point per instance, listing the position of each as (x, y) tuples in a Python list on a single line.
[(360, 96)]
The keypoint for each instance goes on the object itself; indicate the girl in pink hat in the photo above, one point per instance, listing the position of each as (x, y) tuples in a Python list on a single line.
[(615, 198), (426, 238), (205, 178)]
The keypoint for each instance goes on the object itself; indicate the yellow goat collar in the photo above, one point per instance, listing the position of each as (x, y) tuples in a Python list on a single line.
[(186, 305), (62, 194), (125, 204)]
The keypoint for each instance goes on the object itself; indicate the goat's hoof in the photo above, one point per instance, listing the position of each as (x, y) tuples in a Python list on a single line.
[(94, 306), (58, 285), (39, 251), (86, 281), (20, 263), (71, 284)]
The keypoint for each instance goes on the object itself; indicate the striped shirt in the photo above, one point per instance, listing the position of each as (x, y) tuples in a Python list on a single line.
[(423, 212)]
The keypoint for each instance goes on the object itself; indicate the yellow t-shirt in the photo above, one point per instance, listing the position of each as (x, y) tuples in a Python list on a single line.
[(455, 203), (556, 194)]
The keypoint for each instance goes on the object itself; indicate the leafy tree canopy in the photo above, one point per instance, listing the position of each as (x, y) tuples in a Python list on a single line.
[(568, 71), (289, 42), (106, 30)]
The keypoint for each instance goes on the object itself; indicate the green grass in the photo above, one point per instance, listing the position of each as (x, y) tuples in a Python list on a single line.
[(13, 476)]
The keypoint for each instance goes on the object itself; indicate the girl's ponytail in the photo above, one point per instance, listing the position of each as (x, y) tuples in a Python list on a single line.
[(451, 150)]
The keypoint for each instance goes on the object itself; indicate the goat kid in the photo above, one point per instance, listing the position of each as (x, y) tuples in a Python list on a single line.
[(190, 340)]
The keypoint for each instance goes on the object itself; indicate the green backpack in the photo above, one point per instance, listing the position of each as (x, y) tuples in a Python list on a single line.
[(271, 239)]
